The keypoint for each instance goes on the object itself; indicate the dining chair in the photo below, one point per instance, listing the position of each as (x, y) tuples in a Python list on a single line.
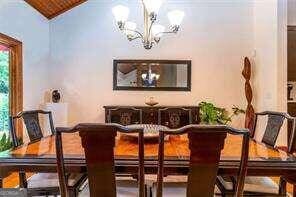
[(98, 142), (39, 183), (125, 116), (205, 144), (256, 185), (174, 117)]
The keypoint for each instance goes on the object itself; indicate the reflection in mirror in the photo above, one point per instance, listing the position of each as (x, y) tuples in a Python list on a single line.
[(152, 75)]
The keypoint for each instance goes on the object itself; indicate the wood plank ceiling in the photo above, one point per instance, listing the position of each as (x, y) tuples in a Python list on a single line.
[(53, 8)]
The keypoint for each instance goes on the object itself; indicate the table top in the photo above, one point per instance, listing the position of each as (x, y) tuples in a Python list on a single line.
[(40, 157), (175, 148)]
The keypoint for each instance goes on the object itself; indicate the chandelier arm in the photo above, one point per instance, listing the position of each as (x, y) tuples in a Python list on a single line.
[(139, 34), (135, 38), (165, 32)]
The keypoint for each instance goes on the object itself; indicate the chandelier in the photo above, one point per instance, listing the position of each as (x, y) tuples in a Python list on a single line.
[(152, 31)]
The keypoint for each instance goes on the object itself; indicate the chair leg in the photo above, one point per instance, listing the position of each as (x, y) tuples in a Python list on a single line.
[(73, 192), (22, 180), (221, 188), (294, 190), (282, 186), (1, 182)]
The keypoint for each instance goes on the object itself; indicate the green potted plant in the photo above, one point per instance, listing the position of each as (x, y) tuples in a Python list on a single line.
[(211, 114)]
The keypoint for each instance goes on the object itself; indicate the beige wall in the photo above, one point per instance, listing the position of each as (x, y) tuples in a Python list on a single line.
[(85, 41), (21, 21), (270, 58)]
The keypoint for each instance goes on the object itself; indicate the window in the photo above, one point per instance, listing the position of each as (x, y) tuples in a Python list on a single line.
[(11, 86), (4, 89)]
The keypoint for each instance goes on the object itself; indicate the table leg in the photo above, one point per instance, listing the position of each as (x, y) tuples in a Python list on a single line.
[(1, 182)]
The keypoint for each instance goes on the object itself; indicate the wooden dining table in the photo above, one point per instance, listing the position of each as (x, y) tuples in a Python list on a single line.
[(40, 156)]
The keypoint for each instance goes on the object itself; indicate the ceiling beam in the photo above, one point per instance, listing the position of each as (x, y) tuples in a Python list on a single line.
[(52, 8)]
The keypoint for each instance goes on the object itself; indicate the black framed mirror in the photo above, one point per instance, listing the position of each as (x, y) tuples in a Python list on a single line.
[(152, 75)]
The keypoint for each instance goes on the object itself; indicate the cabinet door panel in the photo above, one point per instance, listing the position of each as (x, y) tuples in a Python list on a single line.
[(150, 116)]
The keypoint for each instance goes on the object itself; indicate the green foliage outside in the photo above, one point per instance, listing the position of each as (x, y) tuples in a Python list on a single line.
[(4, 101), (210, 114), (5, 142)]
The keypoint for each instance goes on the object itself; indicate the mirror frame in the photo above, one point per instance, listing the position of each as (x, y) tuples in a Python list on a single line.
[(118, 61)]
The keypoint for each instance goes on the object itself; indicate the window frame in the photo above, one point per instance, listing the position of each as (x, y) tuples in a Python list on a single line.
[(15, 75)]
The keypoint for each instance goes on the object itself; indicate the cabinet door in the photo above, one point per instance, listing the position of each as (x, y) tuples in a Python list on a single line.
[(150, 116), (175, 117), (125, 116)]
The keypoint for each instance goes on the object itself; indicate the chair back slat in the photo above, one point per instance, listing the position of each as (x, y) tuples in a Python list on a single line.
[(205, 150), (292, 137), (99, 155), (273, 127), (205, 144), (98, 141), (33, 127)]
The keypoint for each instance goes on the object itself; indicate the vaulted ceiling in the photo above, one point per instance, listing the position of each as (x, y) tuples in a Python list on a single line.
[(53, 8)]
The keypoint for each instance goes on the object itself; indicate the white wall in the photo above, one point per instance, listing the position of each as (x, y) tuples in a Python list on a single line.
[(21, 21), (270, 61), (291, 12), (215, 35)]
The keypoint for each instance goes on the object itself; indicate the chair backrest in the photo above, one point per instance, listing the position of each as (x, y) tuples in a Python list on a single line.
[(174, 117), (205, 144), (98, 141), (274, 124), (125, 116), (32, 123)]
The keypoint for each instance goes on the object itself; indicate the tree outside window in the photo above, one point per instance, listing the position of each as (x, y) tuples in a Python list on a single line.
[(4, 91)]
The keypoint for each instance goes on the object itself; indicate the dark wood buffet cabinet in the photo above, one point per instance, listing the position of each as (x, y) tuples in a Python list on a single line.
[(170, 116)]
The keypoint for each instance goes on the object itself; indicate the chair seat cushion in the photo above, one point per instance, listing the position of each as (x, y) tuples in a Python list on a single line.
[(173, 186), (177, 189), (253, 184), (43, 180), (152, 179), (124, 188)]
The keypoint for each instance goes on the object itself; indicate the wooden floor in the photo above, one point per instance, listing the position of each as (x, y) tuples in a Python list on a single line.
[(289, 186), (12, 181)]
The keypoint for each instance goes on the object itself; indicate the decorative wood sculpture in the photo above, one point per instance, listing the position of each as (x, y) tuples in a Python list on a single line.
[(250, 114)]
